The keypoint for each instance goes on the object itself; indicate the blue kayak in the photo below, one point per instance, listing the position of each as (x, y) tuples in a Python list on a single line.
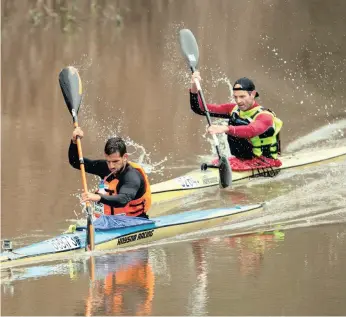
[(112, 232)]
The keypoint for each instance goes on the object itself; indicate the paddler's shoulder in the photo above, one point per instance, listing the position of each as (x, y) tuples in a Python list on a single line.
[(131, 169)]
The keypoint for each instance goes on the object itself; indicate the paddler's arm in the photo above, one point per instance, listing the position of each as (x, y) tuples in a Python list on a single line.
[(96, 167), (261, 124), (131, 183), (216, 110)]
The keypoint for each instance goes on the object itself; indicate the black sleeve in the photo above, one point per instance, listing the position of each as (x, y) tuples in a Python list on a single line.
[(194, 103), (131, 183), (96, 167)]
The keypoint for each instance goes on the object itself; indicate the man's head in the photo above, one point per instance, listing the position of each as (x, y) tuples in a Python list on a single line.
[(116, 154), (244, 93)]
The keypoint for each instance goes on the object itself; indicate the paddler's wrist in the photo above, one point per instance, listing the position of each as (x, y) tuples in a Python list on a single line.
[(231, 130), (102, 199), (99, 198)]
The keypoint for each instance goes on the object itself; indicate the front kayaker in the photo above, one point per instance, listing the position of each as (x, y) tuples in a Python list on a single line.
[(127, 188), (253, 131)]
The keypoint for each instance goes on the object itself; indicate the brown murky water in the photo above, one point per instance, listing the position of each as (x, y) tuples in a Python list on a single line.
[(136, 85), (302, 272)]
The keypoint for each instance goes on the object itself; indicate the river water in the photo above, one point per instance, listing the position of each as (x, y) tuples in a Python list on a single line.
[(136, 85)]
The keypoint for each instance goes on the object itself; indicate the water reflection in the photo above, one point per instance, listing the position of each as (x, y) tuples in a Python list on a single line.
[(216, 275), (251, 250), (186, 278), (124, 283)]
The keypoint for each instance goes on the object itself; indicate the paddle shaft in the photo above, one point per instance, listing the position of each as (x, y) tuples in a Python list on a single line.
[(90, 245), (190, 50), (207, 113), (71, 88), (81, 162)]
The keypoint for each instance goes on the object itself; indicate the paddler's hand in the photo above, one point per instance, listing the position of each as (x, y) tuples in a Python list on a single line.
[(195, 75), (90, 197), (77, 132), (217, 129)]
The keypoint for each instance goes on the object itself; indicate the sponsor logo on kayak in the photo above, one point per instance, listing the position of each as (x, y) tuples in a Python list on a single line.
[(65, 243), (209, 180), (135, 237), (187, 182)]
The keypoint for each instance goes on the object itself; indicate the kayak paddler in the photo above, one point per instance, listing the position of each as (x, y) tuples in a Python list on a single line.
[(252, 131), (127, 188)]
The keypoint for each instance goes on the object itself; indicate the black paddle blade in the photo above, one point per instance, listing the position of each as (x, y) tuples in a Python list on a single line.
[(71, 87), (225, 171), (189, 47)]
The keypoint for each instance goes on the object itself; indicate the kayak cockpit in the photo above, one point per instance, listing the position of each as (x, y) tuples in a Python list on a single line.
[(117, 222)]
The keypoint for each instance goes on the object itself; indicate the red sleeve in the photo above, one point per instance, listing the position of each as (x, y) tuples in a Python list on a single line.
[(224, 108), (261, 124)]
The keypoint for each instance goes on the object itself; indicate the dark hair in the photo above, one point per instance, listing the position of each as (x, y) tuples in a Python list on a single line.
[(114, 145)]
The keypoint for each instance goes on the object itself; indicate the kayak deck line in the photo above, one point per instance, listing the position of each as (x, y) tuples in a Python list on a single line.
[(163, 227)]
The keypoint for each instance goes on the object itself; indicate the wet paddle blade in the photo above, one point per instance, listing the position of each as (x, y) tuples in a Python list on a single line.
[(71, 87), (189, 47), (225, 172)]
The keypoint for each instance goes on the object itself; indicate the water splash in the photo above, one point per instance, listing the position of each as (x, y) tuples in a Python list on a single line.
[(101, 131), (225, 80), (176, 72), (311, 83), (328, 132)]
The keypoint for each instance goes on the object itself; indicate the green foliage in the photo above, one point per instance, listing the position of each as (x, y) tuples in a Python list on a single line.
[(70, 14)]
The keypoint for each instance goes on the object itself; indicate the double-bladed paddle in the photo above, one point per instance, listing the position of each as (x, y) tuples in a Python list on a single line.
[(190, 50), (71, 87)]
